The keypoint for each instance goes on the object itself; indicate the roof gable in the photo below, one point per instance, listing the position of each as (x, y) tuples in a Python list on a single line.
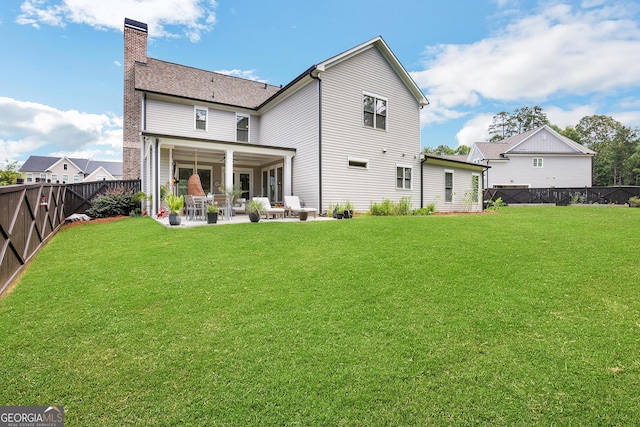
[(382, 46), (544, 140)]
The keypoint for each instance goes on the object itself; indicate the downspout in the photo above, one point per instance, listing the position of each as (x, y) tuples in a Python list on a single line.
[(423, 159), (319, 136), (156, 175)]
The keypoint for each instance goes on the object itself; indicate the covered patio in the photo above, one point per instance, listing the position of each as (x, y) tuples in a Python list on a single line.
[(254, 170)]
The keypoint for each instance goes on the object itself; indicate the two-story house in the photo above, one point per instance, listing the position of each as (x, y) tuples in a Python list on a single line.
[(347, 128), (65, 170), (539, 158)]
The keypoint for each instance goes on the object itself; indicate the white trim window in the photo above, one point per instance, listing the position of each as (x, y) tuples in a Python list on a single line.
[(76, 179), (358, 163), (65, 178), (537, 162), (448, 186), (242, 127), (404, 175), (29, 177), (475, 187), (54, 177), (374, 111), (200, 118)]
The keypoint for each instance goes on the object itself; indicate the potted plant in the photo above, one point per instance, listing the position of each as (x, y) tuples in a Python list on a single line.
[(175, 205), (338, 212), (255, 210), (634, 202), (348, 209), (212, 214)]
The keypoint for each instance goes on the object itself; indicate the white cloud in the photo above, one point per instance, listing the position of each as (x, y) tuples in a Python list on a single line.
[(27, 126), (475, 130), (557, 52), (245, 74), (569, 117), (196, 16)]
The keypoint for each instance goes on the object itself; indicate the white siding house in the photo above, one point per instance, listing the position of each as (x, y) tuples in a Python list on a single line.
[(539, 158), (65, 170), (346, 129)]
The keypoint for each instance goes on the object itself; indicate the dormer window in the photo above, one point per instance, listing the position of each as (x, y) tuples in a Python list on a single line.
[(200, 118)]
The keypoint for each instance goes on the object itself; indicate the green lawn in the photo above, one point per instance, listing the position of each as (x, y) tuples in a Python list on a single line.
[(529, 316)]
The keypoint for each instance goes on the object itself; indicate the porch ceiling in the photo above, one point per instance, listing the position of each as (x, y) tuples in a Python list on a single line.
[(218, 156)]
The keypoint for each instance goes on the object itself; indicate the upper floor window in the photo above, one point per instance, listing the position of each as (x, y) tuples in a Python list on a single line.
[(76, 178), (64, 166), (29, 177), (242, 127), (65, 178), (54, 177), (201, 118), (375, 112), (537, 162), (403, 177), (448, 186)]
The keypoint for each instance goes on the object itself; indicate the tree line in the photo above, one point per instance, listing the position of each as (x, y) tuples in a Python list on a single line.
[(617, 146)]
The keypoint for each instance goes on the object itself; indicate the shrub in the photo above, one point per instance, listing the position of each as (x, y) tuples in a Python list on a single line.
[(495, 205), (389, 208), (114, 202), (428, 210)]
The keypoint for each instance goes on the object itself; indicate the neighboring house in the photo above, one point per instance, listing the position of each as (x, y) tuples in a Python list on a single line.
[(68, 170), (346, 129), (539, 158)]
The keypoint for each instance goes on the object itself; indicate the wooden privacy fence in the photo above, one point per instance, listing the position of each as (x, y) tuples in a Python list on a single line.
[(78, 196), (31, 213), (563, 196)]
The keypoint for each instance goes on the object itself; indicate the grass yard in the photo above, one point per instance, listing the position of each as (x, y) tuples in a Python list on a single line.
[(530, 316)]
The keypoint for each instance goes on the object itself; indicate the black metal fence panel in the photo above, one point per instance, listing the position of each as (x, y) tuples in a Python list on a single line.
[(563, 196)]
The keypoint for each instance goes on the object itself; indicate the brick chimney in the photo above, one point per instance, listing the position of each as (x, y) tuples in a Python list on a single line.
[(135, 50)]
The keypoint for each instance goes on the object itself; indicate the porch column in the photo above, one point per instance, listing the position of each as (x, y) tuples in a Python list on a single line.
[(286, 172), (228, 171)]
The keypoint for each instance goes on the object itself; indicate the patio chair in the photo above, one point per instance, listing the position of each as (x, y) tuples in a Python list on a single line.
[(266, 207), (194, 207), (293, 204)]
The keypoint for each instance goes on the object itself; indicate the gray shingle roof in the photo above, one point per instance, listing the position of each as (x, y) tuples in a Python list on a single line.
[(38, 163), (192, 83), (44, 163)]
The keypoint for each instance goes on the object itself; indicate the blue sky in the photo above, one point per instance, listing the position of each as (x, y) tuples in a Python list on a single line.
[(61, 73)]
